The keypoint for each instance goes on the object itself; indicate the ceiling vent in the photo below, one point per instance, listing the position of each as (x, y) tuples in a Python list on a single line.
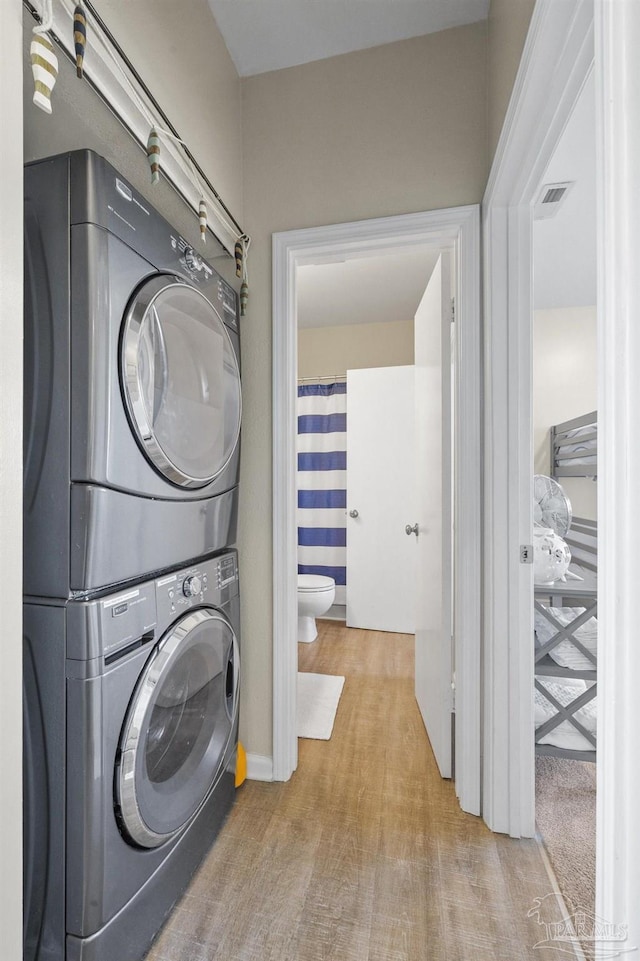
[(550, 199)]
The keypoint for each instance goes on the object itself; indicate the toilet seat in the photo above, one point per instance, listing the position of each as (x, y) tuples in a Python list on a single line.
[(315, 583)]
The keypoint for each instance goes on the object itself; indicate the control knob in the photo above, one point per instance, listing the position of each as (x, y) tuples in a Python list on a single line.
[(192, 259), (191, 586)]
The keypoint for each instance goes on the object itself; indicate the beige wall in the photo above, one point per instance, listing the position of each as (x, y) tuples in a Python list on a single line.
[(564, 386), (324, 351), (179, 52), (508, 24), (204, 104), (390, 130)]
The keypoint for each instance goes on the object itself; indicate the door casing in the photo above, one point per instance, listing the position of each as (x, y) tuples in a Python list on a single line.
[(456, 229), (556, 62), (565, 42)]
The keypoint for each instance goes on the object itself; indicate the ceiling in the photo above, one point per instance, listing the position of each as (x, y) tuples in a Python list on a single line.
[(264, 35), (369, 290)]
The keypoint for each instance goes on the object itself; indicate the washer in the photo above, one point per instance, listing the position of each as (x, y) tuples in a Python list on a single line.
[(131, 716), (132, 385)]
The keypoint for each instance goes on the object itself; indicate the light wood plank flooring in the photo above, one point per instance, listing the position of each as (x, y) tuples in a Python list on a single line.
[(364, 855)]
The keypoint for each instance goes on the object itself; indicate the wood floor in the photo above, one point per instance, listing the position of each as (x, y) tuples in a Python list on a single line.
[(364, 855)]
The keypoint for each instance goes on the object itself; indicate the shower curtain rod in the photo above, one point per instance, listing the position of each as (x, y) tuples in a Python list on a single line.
[(314, 380)]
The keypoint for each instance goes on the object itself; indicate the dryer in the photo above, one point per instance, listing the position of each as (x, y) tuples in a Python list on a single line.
[(132, 385), (131, 717)]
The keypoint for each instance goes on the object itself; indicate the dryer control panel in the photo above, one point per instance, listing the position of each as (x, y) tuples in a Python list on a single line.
[(228, 300), (100, 195), (212, 582)]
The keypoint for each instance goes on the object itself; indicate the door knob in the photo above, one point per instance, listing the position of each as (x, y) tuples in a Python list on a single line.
[(353, 513), (411, 530)]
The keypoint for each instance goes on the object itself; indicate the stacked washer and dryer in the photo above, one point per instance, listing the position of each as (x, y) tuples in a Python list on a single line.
[(131, 614)]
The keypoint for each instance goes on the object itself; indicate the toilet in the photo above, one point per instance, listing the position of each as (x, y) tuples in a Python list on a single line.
[(316, 594)]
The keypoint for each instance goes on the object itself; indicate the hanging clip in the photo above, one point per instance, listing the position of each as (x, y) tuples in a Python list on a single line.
[(46, 19), (243, 243)]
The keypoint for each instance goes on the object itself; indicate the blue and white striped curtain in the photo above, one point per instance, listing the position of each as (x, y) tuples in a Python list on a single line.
[(322, 482)]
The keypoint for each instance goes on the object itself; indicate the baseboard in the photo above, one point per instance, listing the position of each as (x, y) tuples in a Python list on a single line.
[(338, 612), (259, 767)]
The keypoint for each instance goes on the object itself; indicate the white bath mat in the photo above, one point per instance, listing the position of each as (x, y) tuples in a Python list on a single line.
[(318, 697)]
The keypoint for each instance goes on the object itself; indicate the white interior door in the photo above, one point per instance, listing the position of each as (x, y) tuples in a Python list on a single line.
[(433, 443), (381, 559)]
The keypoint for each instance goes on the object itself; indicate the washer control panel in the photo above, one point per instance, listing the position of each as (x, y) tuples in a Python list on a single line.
[(192, 585), (226, 570), (208, 582)]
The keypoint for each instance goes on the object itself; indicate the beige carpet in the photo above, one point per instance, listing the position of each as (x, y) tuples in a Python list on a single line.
[(566, 819)]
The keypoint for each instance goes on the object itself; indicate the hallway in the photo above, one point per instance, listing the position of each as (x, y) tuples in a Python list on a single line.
[(364, 855)]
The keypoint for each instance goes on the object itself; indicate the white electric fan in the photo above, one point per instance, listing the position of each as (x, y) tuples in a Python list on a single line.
[(551, 506)]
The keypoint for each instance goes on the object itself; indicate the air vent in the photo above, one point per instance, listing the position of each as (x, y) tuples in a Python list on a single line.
[(553, 195), (550, 199)]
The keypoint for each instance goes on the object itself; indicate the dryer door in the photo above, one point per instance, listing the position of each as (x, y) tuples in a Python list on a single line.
[(178, 728), (181, 381)]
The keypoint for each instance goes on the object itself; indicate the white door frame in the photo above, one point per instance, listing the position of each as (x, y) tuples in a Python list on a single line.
[(456, 229), (557, 60), (617, 36)]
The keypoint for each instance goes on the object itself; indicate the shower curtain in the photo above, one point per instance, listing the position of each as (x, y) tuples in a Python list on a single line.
[(322, 482)]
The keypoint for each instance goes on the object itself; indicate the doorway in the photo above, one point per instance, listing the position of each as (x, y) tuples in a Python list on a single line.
[(356, 405), (457, 230), (565, 448), (555, 76), (564, 42), (374, 444)]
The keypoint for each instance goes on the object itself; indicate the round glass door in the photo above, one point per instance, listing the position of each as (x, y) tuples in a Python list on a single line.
[(181, 381), (178, 728)]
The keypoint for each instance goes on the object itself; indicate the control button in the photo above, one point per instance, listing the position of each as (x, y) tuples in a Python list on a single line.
[(171, 592), (191, 586), (192, 259)]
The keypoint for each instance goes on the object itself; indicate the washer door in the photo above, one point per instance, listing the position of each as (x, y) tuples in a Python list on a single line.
[(178, 727), (181, 381)]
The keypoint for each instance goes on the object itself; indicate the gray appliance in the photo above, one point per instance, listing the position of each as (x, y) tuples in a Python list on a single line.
[(131, 702), (132, 385)]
